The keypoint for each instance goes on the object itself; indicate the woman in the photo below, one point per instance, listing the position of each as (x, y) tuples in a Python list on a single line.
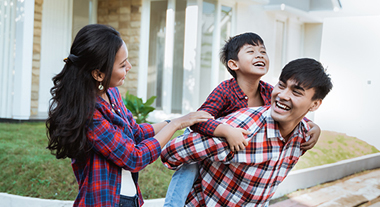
[(89, 123)]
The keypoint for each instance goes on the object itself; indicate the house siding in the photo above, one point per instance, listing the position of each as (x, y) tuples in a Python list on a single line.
[(125, 17), (36, 56)]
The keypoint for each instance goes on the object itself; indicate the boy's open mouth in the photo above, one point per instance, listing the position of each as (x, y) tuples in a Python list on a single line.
[(259, 63)]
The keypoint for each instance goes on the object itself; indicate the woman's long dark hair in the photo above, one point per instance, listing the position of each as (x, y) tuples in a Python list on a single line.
[(74, 92)]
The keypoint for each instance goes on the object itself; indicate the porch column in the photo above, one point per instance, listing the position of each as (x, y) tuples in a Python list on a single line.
[(23, 57)]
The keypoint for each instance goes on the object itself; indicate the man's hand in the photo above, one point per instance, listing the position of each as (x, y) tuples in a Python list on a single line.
[(314, 133)]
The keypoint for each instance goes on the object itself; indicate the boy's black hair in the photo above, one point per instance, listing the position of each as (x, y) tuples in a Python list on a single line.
[(308, 73), (232, 47)]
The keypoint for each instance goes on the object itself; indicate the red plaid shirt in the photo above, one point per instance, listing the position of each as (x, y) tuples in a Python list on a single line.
[(227, 98), (246, 178), (117, 142)]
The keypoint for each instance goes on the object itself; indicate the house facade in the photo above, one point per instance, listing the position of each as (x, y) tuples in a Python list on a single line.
[(173, 45)]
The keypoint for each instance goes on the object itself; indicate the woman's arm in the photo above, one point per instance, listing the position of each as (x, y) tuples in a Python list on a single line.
[(119, 147), (164, 131)]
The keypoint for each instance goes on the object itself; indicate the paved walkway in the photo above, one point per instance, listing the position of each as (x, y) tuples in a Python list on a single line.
[(359, 190)]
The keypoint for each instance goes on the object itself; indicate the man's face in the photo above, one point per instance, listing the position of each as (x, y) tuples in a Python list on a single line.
[(291, 102)]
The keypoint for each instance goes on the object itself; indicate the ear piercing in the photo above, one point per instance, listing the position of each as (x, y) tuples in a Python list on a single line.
[(100, 87)]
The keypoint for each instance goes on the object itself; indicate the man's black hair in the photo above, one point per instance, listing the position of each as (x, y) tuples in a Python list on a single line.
[(232, 47), (308, 73)]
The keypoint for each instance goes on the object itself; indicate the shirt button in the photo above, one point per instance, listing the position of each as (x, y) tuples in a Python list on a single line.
[(246, 97), (118, 110)]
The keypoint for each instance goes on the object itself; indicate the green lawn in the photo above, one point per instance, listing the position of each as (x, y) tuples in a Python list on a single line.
[(28, 168), (333, 147)]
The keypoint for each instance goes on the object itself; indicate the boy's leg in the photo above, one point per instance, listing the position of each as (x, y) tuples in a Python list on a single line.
[(180, 185)]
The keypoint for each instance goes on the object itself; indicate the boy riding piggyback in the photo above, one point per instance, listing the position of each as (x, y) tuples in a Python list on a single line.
[(246, 59)]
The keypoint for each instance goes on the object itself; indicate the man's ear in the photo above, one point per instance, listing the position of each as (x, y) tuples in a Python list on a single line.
[(233, 64), (97, 75), (315, 105)]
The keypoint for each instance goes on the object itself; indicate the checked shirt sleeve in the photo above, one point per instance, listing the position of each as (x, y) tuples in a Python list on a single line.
[(214, 105), (193, 147), (121, 149)]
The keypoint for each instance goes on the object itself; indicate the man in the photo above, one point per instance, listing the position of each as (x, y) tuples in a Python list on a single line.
[(250, 177)]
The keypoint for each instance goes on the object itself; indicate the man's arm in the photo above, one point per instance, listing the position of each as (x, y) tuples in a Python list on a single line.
[(193, 147)]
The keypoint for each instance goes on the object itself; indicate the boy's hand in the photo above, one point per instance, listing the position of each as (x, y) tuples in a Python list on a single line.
[(314, 133), (236, 139)]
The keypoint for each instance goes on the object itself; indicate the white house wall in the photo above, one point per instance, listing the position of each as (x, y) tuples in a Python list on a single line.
[(8, 28), (350, 53), (313, 40), (23, 60), (55, 45), (253, 18)]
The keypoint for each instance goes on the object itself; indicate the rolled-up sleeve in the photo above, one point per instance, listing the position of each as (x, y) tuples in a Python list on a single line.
[(193, 147)]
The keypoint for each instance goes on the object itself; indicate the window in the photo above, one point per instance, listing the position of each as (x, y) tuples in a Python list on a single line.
[(278, 56), (84, 13), (166, 51), (216, 29), (156, 50), (179, 34), (225, 33)]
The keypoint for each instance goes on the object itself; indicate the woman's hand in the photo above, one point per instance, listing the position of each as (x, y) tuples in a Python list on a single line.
[(191, 118), (164, 131)]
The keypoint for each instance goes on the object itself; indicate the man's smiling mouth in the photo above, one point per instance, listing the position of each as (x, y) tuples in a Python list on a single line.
[(282, 106)]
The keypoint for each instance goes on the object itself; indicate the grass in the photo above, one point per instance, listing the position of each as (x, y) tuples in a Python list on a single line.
[(28, 169), (333, 147)]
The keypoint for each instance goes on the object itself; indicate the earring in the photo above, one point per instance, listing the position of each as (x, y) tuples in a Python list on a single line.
[(100, 87)]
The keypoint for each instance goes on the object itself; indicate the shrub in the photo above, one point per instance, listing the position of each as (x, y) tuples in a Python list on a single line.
[(139, 109)]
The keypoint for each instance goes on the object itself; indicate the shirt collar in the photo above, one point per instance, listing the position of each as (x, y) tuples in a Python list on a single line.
[(273, 132), (236, 88), (239, 92)]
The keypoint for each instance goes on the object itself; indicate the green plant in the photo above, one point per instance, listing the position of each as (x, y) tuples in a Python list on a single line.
[(139, 109)]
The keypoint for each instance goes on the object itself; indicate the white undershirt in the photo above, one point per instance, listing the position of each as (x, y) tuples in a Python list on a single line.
[(128, 187)]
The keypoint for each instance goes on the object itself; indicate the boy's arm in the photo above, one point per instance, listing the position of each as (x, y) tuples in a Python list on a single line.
[(215, 103), (234, 136), (314, 133)]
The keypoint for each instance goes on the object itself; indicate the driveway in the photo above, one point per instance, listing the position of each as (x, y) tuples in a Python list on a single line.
[(359, 190)]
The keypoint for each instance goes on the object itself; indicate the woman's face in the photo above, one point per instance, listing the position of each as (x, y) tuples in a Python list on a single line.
[(120, 67)]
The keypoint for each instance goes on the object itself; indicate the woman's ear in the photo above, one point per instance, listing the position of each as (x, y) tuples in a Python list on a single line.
[(232, 64), (97, 75)]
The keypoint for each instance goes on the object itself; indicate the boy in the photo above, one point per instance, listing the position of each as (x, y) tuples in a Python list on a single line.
[(246, 60), (251, 176)]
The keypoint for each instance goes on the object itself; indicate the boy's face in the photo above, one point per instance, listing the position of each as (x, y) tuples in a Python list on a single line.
[(253, 60), (291, 102)]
